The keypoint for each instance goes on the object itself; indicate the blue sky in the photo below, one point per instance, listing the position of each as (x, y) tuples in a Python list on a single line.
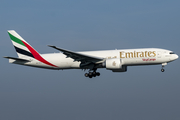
[(140, 93)]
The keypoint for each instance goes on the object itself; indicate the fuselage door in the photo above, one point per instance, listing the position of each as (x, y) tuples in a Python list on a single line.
[(159, 54)]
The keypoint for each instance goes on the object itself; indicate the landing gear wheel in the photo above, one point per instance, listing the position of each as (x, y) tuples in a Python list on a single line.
[(162, 70), (86, 75), (94, 74), (90, 76), (98, 74)]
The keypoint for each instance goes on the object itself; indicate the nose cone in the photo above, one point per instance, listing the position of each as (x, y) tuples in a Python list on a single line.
[(176, 56)]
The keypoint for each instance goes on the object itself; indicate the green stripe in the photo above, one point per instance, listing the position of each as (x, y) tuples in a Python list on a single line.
[(15, 39)]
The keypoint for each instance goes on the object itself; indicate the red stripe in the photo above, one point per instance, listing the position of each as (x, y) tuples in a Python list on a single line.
[(37, 56)]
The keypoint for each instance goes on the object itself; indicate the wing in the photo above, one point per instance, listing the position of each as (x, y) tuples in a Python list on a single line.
[(79, 56)]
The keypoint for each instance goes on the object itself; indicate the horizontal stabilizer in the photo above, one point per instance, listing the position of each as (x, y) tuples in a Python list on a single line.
[(19, 59)]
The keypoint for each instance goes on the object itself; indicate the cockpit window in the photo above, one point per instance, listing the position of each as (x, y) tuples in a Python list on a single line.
[(171, 53)]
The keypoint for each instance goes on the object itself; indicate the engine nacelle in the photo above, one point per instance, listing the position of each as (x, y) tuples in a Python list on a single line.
[(115, 65)]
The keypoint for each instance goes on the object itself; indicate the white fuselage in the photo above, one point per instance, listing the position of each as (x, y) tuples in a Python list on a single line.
[(114, 60), (128, 57)]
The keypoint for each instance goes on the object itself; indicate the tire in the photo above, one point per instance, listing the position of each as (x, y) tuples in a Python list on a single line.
[(94, 74), (90, 73), (98, 74), (86, 75)]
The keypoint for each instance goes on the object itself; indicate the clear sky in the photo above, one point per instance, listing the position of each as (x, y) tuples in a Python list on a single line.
[(142, 93)]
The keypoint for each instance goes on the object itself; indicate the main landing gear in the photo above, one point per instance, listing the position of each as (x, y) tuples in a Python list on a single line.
[(92, 74)]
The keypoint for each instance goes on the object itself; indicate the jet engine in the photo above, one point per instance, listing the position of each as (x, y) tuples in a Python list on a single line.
[(115, 65)]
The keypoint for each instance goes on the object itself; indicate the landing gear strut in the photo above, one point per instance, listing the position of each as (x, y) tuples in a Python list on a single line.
[(92, 74)]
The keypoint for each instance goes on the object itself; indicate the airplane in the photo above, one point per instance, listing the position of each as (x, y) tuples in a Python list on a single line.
[(114, 60)]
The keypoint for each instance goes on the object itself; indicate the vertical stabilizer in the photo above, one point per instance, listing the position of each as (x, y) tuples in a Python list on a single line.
[(20, 45), (25, 50)]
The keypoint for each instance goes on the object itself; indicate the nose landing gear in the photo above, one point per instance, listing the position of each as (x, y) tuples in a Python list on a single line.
[(163, 65)]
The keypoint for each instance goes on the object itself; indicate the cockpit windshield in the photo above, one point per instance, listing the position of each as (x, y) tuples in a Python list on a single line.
[(171, 53)]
